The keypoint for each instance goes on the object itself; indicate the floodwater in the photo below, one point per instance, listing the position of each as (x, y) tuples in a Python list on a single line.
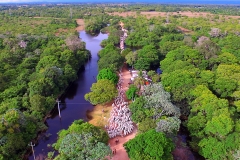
[(73, 105)]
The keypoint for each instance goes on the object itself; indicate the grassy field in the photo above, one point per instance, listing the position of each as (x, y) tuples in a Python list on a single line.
[(98, 117)]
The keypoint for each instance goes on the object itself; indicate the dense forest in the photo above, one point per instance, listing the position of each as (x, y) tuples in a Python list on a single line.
[(38, 61), (200, 70), (40, 55)]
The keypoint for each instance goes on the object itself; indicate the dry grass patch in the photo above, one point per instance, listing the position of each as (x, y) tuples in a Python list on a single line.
[(98, 117)]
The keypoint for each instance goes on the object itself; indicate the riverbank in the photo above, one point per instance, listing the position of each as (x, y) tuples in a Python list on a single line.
[(81, 25)]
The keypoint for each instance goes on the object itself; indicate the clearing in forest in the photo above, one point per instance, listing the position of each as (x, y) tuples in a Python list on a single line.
[(80, 23)]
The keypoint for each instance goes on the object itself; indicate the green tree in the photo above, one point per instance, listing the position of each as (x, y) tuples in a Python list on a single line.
[(81, 127), (110, 48), (139, 82), (38, 103), (212, 148), (125, 52), (169, 46), (112, 61), (82, 146), (101, 92), (208, 49), (131, 58), (108, 74), (146, 57), (131, 92), (138, 110), (146, 125), (169, 126), (152, 144)]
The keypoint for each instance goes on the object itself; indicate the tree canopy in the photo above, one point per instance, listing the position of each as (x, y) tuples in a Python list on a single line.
[(102, 91), (108, 74), (82, 141), (150, 145)]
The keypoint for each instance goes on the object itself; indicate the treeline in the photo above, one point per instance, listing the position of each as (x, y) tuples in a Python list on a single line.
[(214, 9), (55, 11), (86, 10), (36, 67)]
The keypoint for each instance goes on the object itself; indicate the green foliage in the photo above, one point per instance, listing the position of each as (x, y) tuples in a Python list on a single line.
[(113, 61), (180, 82), (108, 74), (208, 49), (131, 58), (154, 107), (146, 57), (226, 73), (82, 146), (228, 44), (95, 23), (203, 77), (151, 144), (211, 122), (102, 91), (114, 34), (82, 141), (168, 46), (38, 61), (158, 99), (212, 148), (81, 127), (131, 93), (227, 58), (138, 110), (154, 76), (108, 49), (125, 52), (169, 126), (146, 125)]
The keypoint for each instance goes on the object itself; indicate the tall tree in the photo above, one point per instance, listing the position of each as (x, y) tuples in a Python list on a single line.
[(102, 91), (150, 145)]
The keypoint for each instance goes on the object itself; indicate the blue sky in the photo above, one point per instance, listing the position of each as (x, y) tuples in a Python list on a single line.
[(147, 1)]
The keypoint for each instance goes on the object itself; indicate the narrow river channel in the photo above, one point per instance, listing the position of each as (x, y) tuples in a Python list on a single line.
[(73, 105)]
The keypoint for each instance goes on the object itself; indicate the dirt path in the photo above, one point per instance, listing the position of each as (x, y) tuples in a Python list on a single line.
[(80, 23), (126, 76), (121, 153)]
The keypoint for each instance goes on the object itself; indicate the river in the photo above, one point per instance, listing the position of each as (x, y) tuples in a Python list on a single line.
[(73, 105)]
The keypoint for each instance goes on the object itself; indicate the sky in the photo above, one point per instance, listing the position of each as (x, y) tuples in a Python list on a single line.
[(146, 1)]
